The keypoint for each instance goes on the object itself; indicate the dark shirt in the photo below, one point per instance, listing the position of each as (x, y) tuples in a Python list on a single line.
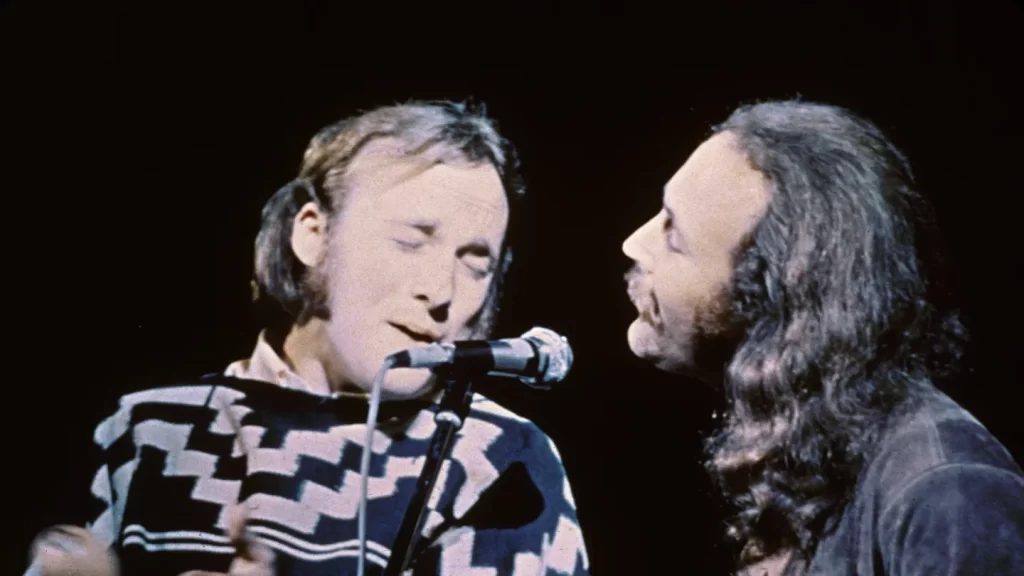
[(941, 496)]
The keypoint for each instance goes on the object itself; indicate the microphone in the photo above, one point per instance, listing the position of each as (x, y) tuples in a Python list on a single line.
[(537, 358)]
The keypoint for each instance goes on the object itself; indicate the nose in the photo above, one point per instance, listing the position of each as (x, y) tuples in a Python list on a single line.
[(635, 247), (435, 286)]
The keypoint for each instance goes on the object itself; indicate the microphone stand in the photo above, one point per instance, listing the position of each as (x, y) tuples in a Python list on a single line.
[(452, 412)]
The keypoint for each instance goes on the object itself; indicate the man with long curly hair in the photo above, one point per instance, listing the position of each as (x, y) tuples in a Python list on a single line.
[(788, 267)]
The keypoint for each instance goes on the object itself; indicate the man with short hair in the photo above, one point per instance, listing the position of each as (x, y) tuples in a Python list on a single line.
[(785, 270), (393, 236)]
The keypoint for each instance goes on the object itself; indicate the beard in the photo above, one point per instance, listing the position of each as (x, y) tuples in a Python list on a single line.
[(699, 339), (716, 337)]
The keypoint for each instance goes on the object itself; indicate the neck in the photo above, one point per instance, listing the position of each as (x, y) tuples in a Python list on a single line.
[(713, 379), (308, 352), (303, 350), (712, 357)]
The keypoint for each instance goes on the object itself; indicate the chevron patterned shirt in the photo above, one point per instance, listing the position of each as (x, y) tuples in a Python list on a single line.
[(175, 459)]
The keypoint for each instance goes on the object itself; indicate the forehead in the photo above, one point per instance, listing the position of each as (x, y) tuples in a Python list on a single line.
[(468, 198), (717, 197)]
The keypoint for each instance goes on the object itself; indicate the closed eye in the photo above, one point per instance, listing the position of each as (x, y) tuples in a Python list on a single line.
[(672, 235), (413, 236), (479, 259), (408, 243)]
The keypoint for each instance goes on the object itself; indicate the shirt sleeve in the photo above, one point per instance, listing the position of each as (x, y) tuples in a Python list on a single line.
[(961, 519), (116, 455), (524, 524)]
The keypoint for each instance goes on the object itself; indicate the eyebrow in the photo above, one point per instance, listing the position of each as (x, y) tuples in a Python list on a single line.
[(481, 247), (675, 224), (664, 205), (428, 227)]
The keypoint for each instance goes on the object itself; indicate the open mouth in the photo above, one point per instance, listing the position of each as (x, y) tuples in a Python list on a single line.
[(421, 337), (647, 306), (650, 315), (643, 298)]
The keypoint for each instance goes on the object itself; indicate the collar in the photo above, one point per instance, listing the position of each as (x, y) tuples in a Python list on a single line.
[(266, 365)]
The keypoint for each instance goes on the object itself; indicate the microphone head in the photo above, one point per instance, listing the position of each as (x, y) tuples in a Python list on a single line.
[(555, 353)]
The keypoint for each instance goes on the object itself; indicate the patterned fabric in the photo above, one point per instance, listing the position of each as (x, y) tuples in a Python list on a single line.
[(175, 459)]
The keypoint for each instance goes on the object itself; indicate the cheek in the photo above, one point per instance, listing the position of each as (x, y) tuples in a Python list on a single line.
[(359, 281), (677, 293), (685, 295), (469, 297)]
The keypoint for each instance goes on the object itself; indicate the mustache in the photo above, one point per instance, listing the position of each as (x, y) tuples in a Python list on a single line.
[(633, 274), (635, 278)]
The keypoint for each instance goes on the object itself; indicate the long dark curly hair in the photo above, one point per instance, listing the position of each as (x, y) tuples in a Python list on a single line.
[(843, 327)]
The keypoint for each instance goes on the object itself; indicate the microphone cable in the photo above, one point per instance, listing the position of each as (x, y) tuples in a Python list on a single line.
[(364, 464)]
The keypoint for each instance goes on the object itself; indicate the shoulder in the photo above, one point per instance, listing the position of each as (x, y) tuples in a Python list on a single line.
[(970, 488), (940, 437), (939, 460), (943, 494), (959, 516), (181, 404), (514, 435), (486, 410), (513, 446), (189, 394), (528, 487)]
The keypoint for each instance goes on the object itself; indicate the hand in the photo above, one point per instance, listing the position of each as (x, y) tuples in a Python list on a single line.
[(72, 551), (251, 557)]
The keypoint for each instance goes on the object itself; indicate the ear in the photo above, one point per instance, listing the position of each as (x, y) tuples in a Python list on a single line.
[(309, 234)]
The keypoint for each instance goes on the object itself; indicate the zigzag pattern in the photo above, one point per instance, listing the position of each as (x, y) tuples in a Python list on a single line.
[(317, 500), (566, 548), (302, 485)]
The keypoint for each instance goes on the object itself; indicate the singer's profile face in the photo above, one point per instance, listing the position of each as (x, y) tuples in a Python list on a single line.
[(683, 256), (411, 256)]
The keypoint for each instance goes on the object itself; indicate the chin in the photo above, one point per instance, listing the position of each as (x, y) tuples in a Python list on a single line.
[(403, 383), (679, 368), (645, 341), (651, 345)]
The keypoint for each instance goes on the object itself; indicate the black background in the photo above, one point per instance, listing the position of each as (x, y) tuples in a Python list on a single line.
[(145, 140)]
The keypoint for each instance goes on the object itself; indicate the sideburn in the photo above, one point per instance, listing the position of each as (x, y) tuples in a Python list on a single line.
[(717, 335), (315, 292)]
